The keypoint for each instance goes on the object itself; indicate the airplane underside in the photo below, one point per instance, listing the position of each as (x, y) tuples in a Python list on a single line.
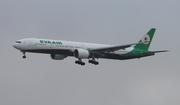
[(79, 61)]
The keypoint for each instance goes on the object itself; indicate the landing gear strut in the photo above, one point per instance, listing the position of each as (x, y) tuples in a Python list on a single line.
[(80, 62)]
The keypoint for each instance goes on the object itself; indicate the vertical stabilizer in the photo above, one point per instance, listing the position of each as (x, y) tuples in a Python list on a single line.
[(146, 40)]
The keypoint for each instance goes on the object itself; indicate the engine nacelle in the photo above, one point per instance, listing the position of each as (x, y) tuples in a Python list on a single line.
[(58, 56), (81, 53)]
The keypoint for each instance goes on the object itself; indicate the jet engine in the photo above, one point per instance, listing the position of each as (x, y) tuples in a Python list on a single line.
[(81, 53), (58, 56)]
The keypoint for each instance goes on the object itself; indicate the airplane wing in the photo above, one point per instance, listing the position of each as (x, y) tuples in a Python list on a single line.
[(111, 48)]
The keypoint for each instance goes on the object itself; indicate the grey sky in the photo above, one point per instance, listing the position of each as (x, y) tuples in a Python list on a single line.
[(38, 80)]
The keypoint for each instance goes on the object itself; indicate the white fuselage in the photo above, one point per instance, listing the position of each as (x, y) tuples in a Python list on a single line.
[(41, 44)]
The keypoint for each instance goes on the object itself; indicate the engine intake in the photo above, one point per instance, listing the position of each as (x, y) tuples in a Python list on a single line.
[(81, 53)]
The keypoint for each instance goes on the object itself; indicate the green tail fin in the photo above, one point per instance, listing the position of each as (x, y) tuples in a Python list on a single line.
[(146, 40)]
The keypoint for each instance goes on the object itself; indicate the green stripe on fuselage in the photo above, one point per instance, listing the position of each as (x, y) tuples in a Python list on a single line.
[(50, 42)]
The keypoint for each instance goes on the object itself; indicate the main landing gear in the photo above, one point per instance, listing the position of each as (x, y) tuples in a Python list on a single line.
[(94, 62), (80, 62)]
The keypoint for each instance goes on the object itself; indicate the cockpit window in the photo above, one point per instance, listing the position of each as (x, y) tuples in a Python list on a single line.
[(18, 41)]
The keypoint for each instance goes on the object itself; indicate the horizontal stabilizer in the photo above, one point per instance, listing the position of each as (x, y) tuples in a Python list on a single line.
[(153, 52)]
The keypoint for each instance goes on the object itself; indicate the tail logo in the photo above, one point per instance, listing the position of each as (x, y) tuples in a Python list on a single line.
[(146, 39)]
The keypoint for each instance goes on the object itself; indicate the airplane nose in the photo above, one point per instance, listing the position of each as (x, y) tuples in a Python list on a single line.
[(14, 45), (17, 44)]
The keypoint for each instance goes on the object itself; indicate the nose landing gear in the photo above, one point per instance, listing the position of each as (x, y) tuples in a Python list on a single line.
[(24, 54)]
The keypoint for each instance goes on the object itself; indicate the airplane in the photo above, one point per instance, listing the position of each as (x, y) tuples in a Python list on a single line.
[(59, 49)]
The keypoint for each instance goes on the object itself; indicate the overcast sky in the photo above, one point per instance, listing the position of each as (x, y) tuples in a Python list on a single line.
[(38, 80)]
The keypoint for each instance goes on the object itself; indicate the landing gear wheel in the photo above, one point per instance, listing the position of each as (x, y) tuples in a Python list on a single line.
[(76, 62), (80, 62), (24, 56), (89, 61), (96, 63)]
